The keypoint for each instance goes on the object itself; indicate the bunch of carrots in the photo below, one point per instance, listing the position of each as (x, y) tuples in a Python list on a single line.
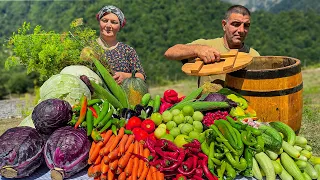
[(120, 157)]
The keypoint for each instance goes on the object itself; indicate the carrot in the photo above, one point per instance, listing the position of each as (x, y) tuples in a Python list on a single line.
[(125, 159), (113, 165), (144, 172), (145, 168), (122, 176), (90, 171), (136, 148), (149, 176), (106, 136), (128, 169), (107, 146), (119, 170), (103, 177), (122, 144), (160, 175), (110, 175), (96, 178), (98, 160), (96, 170), (141, 162), (93, 145), (104, 167), (153, 172), (129, 178), (117, 139), (135, 169), (101, 151), (129, 141), (95, 152), (114, 154), (106, 159)]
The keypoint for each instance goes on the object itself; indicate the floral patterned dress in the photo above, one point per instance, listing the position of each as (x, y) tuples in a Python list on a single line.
[(124, 58)]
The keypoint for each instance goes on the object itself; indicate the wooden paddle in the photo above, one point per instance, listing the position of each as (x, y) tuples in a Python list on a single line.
[(231, 61)]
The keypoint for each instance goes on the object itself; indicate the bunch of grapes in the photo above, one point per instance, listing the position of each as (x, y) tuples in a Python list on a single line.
[(210, 117)]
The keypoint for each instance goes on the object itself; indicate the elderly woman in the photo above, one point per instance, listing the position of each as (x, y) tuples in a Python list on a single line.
[(120, 57)]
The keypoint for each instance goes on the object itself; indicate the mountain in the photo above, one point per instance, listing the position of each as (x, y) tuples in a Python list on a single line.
[(277, 6)]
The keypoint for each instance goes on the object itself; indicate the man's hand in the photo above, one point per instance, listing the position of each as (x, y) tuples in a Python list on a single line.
[(207, 54)]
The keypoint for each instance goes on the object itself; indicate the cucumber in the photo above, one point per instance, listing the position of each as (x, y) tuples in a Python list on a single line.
[(301, 141), (256, 170), (289, 165), (311, 171), (266, 165), (301, 164), (145, 99), (286, 130), (272, 155), (277, 167), (284, 174), (271, 132), (288, 148)]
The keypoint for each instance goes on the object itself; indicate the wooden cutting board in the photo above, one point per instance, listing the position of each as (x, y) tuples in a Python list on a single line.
[(231, 61)]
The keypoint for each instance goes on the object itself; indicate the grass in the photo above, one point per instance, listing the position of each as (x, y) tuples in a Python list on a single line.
[(311, 110)]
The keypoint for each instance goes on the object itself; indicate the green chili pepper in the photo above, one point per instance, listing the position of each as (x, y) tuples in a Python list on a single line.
[(241, 165), (221, 170), (104, 111), (218, 155), (254, 131), (248, 155), (105, 119), (210, 156), (97, 108), (260, 144), (96, 136), (94, 101), (89, 120), (73, 120), (231, 173), (114, 129), (216, 161), (205, 148), (247, 140), (222, 138), (239, 142), (227, 131)]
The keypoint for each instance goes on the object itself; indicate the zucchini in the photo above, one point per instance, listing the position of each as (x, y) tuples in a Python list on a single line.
[(311, 171), (317, 168), (284, 174), (298, 148), (306, 153), (266, 165), (288, 148), (145, 99), (303, 158), (256, 170), (314, 160), (202, 105), (307, 147), (301, 164), (301, 141), (271, 132), (271, 143), (157, 102), (290, 166), (306, 176), (272, 155), (277, 167), (286, 130)]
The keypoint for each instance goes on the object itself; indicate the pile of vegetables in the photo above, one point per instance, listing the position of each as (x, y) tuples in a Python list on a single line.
[(215, 135)]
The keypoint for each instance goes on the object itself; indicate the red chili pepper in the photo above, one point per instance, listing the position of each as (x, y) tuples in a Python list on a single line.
[(164, 106), (148, 125), (83, 111), (181, 177), (161, 153), (94, 112), (176, 164), (206, 171), (170, 96)]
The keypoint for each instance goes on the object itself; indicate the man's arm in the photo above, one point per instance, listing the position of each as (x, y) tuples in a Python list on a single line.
[(184, 51)]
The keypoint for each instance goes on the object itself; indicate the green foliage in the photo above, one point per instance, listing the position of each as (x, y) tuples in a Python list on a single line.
[(47, 53)]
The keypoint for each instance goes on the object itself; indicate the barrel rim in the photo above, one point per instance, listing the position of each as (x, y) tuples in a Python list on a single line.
[(297, 63)]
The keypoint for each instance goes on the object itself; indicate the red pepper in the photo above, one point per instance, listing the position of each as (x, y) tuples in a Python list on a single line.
[(83, 111), (140, 134), (148, 125), (161, 153), (164, 106), (176, 164), (94, 112), (181, 177), (152, 137), (133, 122), (206, 171), (170, 96)]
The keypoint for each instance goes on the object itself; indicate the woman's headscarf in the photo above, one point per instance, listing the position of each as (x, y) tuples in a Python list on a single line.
[(114, 10)]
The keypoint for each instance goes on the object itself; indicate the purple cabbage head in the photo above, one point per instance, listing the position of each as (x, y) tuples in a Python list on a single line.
[(66, 151), (50, 115), (221, 98), (20, 152)]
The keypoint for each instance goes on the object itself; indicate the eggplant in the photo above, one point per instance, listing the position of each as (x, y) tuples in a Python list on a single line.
[(138, 108), (115, 116), (123, 112), (149, 110), (130, 113)]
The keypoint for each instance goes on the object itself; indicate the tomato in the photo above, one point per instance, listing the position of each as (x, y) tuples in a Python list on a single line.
[(148, 125), (140, 134), (133, 122)]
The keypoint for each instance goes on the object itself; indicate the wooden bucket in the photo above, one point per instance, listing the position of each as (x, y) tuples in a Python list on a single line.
[(273, 86)]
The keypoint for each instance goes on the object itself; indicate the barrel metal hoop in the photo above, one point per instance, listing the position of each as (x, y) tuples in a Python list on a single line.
[(269, 93), (266, 74)]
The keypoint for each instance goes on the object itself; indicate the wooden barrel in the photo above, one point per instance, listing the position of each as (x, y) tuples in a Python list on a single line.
[(273, 86)]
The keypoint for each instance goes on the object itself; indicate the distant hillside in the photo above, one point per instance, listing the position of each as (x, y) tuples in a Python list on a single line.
[(278, 5)]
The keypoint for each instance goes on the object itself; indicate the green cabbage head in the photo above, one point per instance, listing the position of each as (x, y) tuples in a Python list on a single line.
[(64, 86)]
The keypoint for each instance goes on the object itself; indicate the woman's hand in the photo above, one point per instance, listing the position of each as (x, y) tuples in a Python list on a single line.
[(120, 76)]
